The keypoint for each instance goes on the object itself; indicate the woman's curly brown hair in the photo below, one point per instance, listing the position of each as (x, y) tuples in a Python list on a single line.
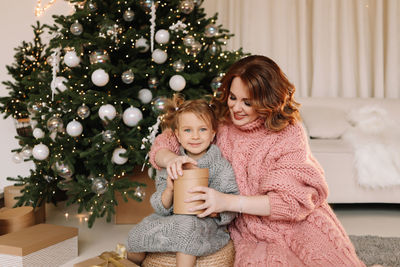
[(270, 91), (178, 105)]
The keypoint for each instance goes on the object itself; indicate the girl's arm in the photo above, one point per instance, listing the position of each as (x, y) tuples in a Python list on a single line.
[(168, 194), (215, 201)]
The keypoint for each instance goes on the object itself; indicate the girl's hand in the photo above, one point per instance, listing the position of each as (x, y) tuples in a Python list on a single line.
[(170, 184), (214, 201), (175, 165)]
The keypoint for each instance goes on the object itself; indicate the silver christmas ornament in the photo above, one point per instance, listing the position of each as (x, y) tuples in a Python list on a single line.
[(211, 30), (128, 76), (62, 169), (83, 111), (34, 108), (55, 124), (99, 56), (216, 83), (186, 6), (188, 40), (108, 136), (17, 158), (213, 49), (146, 4), (193, 49), (153, 82), (26, 152), (48, 178), (139, 193), (158, 105), (99, 185), (128, 15), (178, 65), (92, 6), (76, 28)]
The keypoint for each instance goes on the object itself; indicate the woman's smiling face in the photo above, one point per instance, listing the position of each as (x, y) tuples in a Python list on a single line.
[(239, 103)]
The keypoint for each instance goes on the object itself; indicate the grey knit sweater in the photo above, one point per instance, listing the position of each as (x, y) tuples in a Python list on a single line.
[(164, 231)]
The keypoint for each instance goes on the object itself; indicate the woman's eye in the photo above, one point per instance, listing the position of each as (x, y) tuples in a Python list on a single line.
[(232, 97), (247, 103)]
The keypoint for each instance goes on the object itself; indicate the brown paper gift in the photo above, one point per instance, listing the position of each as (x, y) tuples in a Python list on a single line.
[(133, 211), (12, 191), (189, 179), (39, 245), (109, 259), (12, 220)]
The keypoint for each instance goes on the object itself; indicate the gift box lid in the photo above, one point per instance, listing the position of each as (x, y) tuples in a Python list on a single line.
[(35, 238)]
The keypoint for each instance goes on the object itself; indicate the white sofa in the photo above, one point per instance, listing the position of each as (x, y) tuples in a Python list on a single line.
[(327, 121)]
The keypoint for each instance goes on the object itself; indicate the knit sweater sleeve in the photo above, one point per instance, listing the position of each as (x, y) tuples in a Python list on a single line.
[(295, 181), (155, 199), (166, 139)]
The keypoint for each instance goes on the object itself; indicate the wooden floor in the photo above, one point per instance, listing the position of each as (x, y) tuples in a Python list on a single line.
[(382, 220)]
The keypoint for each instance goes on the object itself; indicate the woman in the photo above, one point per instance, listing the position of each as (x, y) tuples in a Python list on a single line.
[(284, 219)]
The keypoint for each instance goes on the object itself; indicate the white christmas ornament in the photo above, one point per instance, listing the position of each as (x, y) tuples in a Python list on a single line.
[(107, 111), (71, 59), (159, 56), (177, 82), (162, 36), (142, 45), (100, 77), (60, 83), (74, 128), (145, 96), (40, 151), (38, 133), (132, 116), (116, 158)]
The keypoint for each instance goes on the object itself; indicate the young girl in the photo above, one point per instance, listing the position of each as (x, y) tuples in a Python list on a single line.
[(194, 125)]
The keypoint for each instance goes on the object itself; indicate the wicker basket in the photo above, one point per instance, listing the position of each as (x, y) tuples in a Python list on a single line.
[(222, 258)]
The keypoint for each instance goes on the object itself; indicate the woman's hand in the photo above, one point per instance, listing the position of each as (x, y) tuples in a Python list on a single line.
[(214, 201), (175, 165)]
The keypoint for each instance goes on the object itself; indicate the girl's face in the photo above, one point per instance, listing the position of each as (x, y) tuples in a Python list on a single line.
[(194, 134), (239, 103)]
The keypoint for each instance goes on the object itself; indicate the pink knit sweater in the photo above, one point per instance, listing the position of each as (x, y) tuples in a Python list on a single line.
[(301, 230)]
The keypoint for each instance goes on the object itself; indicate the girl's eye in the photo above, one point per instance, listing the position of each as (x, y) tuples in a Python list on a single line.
[(203, 129), (187, 130)]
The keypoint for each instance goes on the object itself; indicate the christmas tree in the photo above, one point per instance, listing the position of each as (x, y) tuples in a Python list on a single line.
[(112, 64)]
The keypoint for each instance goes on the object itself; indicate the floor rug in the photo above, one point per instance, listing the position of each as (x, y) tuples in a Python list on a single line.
[(377, 250)]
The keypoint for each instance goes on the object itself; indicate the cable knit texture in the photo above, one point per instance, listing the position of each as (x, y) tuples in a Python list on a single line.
[(302, 229), (164, 231)]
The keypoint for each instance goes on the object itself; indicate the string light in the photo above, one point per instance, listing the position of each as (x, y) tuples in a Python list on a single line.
[(39, 10)]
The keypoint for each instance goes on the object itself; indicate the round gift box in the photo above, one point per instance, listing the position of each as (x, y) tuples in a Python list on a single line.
[(189, 179)]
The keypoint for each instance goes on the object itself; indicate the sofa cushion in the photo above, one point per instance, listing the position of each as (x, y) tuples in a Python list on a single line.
[(324, 122)]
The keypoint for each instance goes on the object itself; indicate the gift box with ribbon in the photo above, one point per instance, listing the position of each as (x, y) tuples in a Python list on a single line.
[(109, 259)]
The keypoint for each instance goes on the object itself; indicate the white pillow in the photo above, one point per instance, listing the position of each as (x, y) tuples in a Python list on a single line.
[(324, 122)]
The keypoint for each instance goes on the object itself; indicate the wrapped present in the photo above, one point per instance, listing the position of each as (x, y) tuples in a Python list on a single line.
[(133, 211), (12, 191), (12, 220), (39, 245), (109, 259)]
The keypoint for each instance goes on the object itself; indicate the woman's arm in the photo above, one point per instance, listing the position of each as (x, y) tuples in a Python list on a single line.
[(215, 201)]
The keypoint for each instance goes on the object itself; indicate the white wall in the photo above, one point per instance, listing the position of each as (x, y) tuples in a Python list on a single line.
[(16, 18)]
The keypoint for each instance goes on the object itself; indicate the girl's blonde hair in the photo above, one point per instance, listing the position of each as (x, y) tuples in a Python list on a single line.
[(178, 105)]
